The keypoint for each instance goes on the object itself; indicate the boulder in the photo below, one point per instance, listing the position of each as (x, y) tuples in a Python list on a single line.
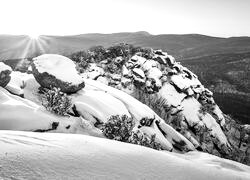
[(5, 72), (170, 60), (158, 52), (125, 71), (135, 61), (52, 70), (139, 73), (146, 66), (160, 59), (208, 93), (246, 128)]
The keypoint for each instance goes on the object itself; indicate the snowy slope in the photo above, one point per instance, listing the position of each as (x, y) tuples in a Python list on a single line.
[(96, 101), (28, 155)]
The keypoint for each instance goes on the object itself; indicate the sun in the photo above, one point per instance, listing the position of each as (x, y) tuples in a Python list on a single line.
[(33, 36)]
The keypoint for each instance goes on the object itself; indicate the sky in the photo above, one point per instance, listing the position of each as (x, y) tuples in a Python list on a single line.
[(223, 18)]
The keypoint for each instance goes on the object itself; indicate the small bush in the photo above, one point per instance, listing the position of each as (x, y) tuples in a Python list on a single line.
[(141, 139), (56, 101), (122, 49), (145, 52), (118, 128), (82, 60), (158, 104), (80, 56), (98, 53)]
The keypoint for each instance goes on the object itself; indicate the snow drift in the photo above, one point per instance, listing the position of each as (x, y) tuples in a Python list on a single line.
[(28, 155)]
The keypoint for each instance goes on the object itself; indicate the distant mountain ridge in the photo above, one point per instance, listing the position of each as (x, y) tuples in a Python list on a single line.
[(181, 46)]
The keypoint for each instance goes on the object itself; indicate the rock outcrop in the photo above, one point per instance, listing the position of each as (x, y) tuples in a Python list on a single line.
[(188, 106), (98, 102), (5, 71), (52, 70)]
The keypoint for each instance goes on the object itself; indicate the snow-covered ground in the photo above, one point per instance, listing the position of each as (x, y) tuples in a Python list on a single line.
[(29, 155)]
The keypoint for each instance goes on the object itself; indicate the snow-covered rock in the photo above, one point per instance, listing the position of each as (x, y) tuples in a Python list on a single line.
[(198, 122), (93, 72), (246, 127), (139, 73), (95, 104), (98, 104), (18, 82), (170, 60), (5, 71), (172, 96), (186, 99), (98, 101), (29, 155), (57, 71), (136, 60)]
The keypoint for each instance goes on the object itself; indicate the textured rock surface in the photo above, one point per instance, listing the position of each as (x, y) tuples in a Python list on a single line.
[(5, 71), (52, 70)]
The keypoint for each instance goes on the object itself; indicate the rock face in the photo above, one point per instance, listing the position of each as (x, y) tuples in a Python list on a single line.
[(51, 70), (177, 96), (5, 71)]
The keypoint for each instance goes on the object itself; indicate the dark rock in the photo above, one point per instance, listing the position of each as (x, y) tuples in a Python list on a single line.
[(5, 72), (160, 59)]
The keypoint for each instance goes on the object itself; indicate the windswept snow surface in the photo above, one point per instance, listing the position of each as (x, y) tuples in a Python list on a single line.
[(29, 155)]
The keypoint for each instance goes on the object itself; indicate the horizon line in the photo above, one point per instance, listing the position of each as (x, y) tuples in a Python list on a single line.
[(146, 32)]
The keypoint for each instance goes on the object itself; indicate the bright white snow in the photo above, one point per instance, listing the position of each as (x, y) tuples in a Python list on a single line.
[(28, 155), (18, 82), (17, 113)]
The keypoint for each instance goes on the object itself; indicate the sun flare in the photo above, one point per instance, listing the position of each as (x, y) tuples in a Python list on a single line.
[(33, 35)]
